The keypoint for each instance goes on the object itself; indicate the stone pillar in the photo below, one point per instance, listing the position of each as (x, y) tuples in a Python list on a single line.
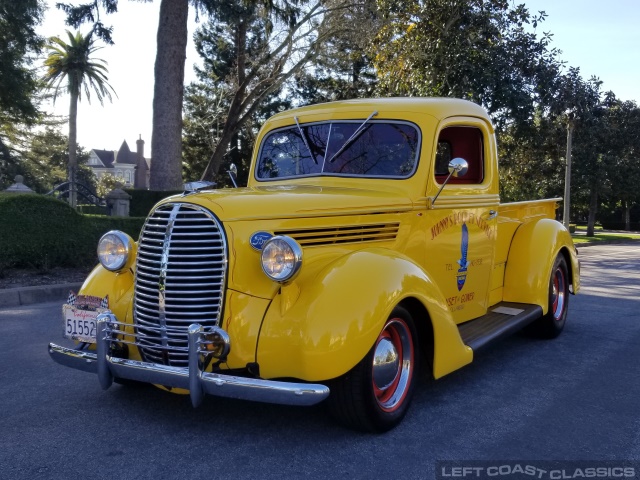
[(19, 187), (118, 203)]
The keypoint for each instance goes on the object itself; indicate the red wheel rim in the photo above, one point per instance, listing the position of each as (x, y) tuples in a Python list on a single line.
[(558, 294), (393, 365)]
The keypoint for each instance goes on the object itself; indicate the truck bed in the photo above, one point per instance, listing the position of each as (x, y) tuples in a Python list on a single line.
[(510, 217)]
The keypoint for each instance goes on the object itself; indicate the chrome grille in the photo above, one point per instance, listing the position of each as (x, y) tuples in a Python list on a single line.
[(180, 278)]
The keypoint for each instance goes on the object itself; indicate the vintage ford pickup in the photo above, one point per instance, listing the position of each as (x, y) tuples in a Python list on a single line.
[(369, 242)]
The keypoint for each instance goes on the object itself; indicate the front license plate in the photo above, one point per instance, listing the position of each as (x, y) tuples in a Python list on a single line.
[(79, 324)]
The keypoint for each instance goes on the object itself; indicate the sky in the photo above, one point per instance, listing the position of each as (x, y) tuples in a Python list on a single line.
[(600, 37)]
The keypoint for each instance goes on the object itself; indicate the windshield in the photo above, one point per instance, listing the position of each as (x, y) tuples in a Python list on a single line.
[(379, 149)]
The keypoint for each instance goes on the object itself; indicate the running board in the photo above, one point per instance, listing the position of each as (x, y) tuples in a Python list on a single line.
[(502, 320)]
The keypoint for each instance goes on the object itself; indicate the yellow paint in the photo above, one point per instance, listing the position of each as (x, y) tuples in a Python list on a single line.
[(340, 314), (242, 318), (533, 252), (119, 286)]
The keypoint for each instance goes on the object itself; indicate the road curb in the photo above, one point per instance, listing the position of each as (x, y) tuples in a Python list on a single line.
[(15, 297)]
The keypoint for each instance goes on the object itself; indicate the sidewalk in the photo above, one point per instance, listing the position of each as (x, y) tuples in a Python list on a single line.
[(15, 297)]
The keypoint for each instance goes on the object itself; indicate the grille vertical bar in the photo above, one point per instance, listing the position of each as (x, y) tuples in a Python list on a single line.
[(180, 279)]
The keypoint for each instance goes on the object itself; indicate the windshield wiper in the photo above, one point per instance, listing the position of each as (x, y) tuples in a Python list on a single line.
[(304, 139), (353, 137)]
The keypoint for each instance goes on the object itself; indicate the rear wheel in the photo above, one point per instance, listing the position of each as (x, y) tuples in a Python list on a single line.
[(551, 324), (375, 395)]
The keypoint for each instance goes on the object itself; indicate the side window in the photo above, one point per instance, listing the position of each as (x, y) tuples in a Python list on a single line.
[(464, 142), (443, 157)]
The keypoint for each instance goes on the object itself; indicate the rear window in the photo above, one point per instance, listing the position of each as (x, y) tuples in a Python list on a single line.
[(346, 148)]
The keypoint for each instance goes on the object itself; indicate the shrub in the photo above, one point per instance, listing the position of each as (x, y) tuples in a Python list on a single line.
[(42, 232), (142, 201), (92, 209), (618, 225)]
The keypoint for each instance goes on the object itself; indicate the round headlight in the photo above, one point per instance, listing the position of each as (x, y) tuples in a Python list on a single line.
[(281, 258), (113, 250)]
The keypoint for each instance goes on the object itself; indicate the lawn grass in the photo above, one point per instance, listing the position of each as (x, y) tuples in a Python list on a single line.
[(601, 237)]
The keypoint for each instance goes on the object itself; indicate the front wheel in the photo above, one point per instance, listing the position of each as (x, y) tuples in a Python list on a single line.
[(551, 324), (375, 395)]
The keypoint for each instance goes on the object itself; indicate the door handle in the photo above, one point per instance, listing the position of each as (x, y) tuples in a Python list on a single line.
[(492, 214)]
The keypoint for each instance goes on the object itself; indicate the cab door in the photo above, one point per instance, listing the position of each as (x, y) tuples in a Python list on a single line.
[(461, 221)]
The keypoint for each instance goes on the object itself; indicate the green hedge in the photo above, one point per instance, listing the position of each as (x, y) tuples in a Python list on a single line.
[(143, 200), (41, 232), (617, 225), (92, 209)]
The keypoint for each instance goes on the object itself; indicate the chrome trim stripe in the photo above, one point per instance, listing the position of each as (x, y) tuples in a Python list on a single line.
[(162, 277), (463, 201)]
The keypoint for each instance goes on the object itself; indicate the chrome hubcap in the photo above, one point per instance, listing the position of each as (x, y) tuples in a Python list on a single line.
[(559, 292), (385, 364), (392, 366)]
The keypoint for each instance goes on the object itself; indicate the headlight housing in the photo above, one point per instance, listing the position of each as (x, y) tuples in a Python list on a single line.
[(281, 258), (114, 250)]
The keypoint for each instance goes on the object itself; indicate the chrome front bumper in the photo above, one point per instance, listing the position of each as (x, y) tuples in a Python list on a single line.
[(193, 378)]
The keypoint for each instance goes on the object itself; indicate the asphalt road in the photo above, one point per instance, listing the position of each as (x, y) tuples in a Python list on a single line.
[(573, 398)]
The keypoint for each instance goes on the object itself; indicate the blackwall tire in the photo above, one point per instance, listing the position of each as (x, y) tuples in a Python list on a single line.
[(375, 395), (552, 323)]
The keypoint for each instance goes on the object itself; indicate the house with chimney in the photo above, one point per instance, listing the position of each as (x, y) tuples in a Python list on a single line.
[(132, 168)]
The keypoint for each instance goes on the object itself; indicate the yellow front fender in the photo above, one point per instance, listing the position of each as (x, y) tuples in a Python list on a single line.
[(119, 286), (533, 251), (322, 329)]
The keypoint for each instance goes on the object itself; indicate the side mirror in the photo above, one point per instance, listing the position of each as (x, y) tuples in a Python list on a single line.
[(458, 167)]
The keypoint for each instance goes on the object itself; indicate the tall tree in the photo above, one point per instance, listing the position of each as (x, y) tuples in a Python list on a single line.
[(263, 60), (578, 103), (18, 43), (18, 81), (532, 158), (168, 89), (624, 124), (343, 68), (481, 50), (208, 100), (205, 109), (72, 63)]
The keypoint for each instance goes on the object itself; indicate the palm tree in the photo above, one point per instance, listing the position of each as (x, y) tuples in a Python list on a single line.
[(71, 62)]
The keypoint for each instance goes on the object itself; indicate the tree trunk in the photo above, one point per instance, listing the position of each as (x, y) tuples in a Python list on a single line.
[(73, 159), (627, 215), (593, 208), (166, 138)]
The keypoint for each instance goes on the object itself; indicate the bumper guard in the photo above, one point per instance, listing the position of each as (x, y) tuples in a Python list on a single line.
[(193, 378)]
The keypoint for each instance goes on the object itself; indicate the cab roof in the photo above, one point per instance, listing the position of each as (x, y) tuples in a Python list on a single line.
[(438, 108)]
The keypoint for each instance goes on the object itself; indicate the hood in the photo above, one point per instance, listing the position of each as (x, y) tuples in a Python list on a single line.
[(293, 201)]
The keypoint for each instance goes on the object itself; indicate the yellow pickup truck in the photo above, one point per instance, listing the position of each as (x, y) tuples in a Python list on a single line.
[(369, 243)]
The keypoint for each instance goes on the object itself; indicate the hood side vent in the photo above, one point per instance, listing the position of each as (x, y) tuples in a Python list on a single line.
[(339, 235)]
